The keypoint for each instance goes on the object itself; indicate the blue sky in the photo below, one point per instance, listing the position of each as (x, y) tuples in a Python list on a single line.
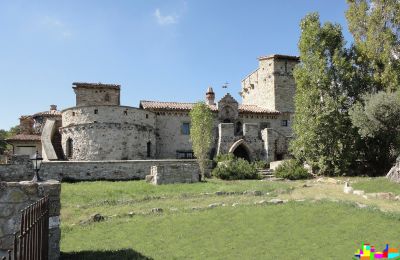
[(157, 50)]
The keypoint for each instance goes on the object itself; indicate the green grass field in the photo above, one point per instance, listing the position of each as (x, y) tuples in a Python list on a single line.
[(189, 229), (379, 184)]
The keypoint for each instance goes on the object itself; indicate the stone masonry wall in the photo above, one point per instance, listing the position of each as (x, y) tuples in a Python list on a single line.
[(97, 96), (167, 174), (15, 196), (169, 135), (88, 170), (108, 133)]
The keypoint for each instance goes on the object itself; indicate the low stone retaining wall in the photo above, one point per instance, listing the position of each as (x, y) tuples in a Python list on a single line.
[(15, 196), (91, 170), (178, 173)]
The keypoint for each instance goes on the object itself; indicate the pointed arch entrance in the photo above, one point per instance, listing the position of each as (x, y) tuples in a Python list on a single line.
[(241, 150)]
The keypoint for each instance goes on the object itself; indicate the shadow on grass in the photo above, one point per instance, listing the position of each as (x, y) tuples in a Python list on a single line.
[(122, 254)]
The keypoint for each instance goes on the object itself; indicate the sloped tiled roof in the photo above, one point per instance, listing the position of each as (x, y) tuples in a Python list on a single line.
[(178, 106), (255, 109), (48, 113), (24, 137)]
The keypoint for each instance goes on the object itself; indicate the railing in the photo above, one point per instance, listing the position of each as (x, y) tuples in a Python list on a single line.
[(31, 242)]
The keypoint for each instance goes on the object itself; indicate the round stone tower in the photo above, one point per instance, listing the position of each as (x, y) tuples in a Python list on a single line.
[(98, 128)]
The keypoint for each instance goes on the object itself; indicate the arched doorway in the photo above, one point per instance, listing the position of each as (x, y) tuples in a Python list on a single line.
[(241, 152), (241, 149)]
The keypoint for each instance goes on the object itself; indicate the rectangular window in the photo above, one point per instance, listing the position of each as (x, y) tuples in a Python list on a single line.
[(96, 111), (284, 123), (185, 129), (264, 125), (185, 155)]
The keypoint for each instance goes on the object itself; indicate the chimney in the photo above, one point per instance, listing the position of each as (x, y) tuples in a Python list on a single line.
[(53, 107), (26, 125), (210, 96)]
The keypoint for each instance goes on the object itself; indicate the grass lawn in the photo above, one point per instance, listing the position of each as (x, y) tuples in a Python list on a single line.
[(188, 229), (378, 184)]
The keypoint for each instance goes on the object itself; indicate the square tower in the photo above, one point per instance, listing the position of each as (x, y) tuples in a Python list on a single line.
[(272, 85), (96, 94)]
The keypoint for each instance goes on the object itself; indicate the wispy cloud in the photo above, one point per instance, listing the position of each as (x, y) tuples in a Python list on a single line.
[(55, 26), (165, 19)]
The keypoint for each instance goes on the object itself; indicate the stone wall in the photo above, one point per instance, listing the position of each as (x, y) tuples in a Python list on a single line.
[(97, 95), (179, 173), (169, 134), (15, 196), (228, 142), (108, 133), (89, 170)]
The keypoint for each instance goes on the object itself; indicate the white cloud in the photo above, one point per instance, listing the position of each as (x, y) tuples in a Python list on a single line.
[(165, 19), (55, 26)]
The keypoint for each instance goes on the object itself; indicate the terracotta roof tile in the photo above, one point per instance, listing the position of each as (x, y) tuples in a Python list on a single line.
[(158, 105), (24, 137), (255, 109), (48, 113)]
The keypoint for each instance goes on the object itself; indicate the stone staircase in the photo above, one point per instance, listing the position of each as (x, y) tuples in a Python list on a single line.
[(266, 173)]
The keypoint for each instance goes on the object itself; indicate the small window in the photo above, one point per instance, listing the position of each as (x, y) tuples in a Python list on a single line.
[(284, 123), (107, 97), (69, 148), (185, 155), (125, 112), (73, 113), (185, 129), (148, 149), (96, 111), (147, 115)]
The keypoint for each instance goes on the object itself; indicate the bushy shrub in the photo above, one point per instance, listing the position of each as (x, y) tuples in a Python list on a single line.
[(292, 170), (231, 168)]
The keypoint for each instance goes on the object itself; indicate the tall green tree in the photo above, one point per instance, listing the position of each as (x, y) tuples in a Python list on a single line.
[(377, 118), (201, 134), (375, 26), (323, 97)]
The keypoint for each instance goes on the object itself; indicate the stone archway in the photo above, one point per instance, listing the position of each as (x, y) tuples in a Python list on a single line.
[(241, 150)]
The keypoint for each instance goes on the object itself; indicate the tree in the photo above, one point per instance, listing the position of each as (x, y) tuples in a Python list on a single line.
[(201, 133), (377, 119), (3, 144), (323, 97), (375, 26)]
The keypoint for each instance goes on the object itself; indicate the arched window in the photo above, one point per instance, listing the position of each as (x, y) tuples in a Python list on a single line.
[(107, 97), (69, 148)]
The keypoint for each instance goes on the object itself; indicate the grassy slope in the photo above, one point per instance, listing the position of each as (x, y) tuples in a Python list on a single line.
[(305, 230), (379, 184), (297, 230)]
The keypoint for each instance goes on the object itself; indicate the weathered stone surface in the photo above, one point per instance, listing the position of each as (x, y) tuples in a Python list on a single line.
[(217, 204), (157, 210), (360, 205), (97, 217), (347, 188), (178, 173), (358, 192), (394, 173), (15, 196), (276, 201), (87, 171), (385, 195)]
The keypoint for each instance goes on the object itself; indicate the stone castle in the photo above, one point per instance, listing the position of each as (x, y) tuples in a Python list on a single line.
[(99, 128)]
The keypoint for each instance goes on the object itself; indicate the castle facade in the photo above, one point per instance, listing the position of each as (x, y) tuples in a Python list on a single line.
[(99, 128)]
